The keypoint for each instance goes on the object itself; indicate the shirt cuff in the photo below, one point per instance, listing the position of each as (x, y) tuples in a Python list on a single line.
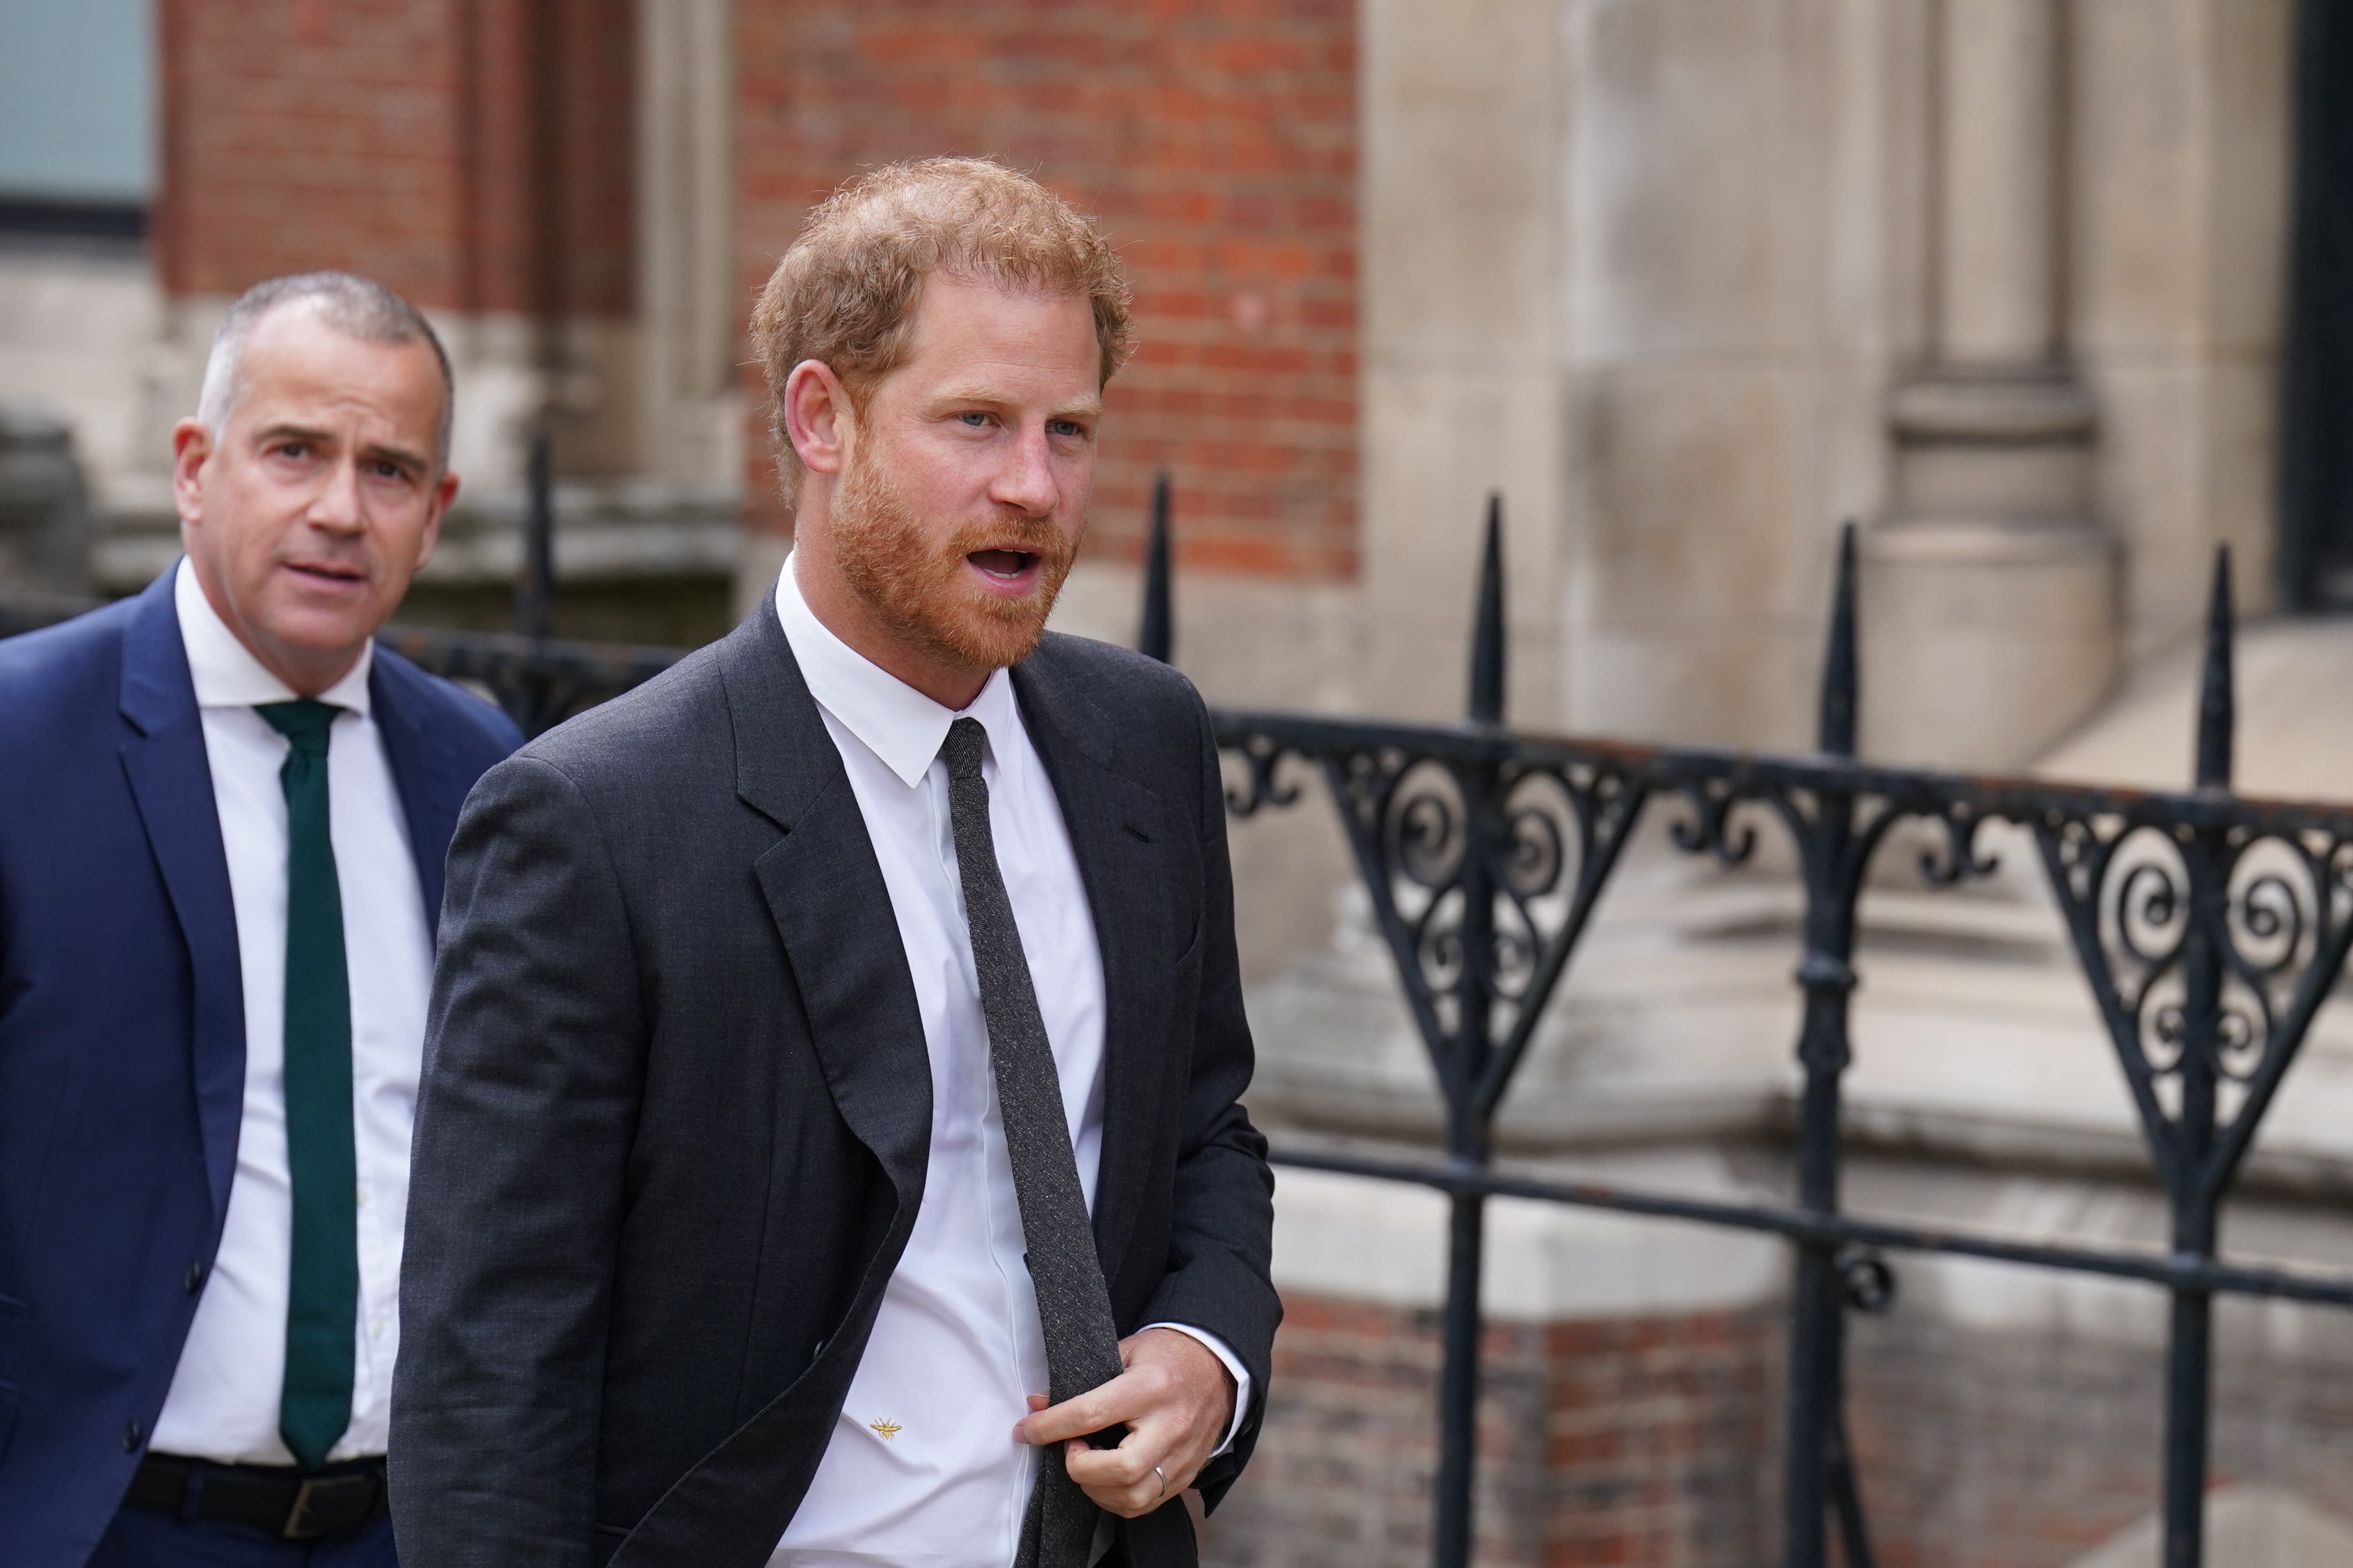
[(1217, 1347)]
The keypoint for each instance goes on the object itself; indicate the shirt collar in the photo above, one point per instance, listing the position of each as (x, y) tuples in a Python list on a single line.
[(895, 722), (224, 669)]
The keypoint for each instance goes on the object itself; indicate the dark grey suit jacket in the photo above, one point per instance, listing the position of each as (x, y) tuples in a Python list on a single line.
[(677, 1107)]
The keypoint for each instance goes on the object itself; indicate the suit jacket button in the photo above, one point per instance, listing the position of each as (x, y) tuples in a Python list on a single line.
[(132, 1437), (196, 1277)]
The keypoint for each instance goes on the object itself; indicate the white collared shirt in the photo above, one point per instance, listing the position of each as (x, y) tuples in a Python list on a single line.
[(223, 1402), (922, 1470)]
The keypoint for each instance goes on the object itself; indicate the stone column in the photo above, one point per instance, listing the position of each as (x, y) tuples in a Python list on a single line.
[(1460, 234), (687, 284), (1990, 590)]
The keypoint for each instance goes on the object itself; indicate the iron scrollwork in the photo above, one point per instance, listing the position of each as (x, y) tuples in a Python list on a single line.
[(1481, 877), (2270, 914)]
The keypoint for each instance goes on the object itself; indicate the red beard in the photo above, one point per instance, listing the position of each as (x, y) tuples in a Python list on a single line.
[(918, 582)]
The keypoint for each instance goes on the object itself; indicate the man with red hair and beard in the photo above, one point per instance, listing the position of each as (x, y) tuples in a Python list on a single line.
[(830, 1149)]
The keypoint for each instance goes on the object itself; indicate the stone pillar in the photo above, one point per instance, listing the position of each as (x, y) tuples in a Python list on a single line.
[(687, 285), (1462, 387), (1991, 591)]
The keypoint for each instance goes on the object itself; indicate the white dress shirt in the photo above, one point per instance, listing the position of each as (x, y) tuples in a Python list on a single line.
[(223, 1402), (922, 1470)]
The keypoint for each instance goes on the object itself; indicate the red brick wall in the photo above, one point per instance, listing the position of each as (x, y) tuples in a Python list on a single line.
[(1656, 1442), (474, 155), (1642, 1442), (1216, 139), (1989, 1450)]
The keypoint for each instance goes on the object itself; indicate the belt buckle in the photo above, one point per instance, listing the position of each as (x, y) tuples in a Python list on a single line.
[(329, 1496)]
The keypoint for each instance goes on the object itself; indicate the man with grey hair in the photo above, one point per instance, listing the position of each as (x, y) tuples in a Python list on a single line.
[(357, 307), (221, 870)]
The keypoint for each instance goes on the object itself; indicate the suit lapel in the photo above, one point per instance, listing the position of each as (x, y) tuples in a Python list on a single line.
[(825, 891), (431, 792), (1117, 829), (173, 784)]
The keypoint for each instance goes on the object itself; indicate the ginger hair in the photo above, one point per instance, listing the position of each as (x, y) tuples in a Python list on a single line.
[(845, 294)]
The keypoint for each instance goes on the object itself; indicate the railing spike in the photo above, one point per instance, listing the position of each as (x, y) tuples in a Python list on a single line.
[(1487, 629), (1157, 637), (2217, 719), (1841, 678)]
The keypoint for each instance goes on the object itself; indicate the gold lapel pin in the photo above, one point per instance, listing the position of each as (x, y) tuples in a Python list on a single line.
[(886, 1430)]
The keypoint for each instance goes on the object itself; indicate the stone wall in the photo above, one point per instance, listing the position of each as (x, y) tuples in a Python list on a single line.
[(2179, 152), (1665, 272)]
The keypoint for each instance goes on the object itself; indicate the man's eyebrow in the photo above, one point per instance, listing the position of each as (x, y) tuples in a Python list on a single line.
[(296, 433), (400, 455), (375, 450), (1087, 407)]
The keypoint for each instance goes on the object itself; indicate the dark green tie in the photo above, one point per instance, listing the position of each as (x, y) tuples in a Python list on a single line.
[(323, 1306)]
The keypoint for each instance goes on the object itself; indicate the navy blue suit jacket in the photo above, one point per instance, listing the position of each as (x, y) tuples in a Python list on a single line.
[(122, 1032)]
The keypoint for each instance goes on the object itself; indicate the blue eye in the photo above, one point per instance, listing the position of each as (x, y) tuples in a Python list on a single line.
[(974, 418)]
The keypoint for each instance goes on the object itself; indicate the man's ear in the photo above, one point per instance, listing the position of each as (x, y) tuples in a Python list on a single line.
[(192, 444), (445, 491), (819, 418)]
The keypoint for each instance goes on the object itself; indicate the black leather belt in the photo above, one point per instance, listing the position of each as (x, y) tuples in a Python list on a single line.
[(298, 1505)]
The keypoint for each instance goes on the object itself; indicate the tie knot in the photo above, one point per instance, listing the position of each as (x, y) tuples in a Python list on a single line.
[(303, 721), (961, 750)]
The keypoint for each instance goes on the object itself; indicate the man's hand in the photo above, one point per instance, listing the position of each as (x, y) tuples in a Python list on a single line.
[(1176, 1399)]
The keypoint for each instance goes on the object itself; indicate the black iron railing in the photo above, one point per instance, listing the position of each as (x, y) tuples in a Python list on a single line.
[(2210, 929)]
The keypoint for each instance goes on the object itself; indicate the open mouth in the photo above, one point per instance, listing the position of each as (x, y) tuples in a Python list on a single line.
[(1004, 566)]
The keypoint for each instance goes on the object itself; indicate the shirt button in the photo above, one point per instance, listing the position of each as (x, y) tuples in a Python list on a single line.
[(132, 1435), (196, 1280)]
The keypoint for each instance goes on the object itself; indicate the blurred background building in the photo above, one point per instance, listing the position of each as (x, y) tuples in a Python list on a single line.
[(2053, 296)]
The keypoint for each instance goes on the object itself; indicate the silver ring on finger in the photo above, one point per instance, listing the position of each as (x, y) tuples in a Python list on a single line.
[(1164, 1480)]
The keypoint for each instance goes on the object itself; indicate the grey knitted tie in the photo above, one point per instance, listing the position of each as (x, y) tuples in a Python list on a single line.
[(1073, 1303)]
